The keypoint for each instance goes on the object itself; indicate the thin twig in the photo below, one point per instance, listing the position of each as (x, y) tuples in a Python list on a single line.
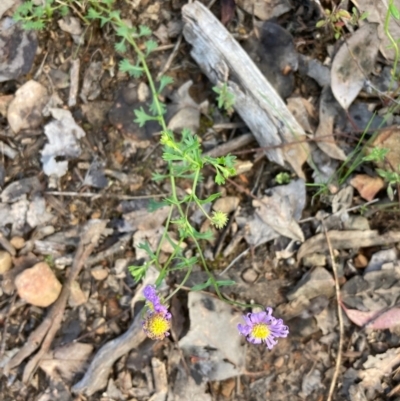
[(244, 253), (351, 209), (99, 195), (340, 317), (171, 57)]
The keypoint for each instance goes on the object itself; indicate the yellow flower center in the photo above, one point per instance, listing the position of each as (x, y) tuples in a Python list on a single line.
[(156, 326), (261, 331)]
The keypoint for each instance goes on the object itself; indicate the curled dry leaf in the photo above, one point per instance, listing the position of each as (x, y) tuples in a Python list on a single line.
[(183, 112), (353, 63), (281, 207), (367, 186)]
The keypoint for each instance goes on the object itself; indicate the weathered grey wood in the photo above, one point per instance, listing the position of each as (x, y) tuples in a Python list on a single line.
[(223, 60)]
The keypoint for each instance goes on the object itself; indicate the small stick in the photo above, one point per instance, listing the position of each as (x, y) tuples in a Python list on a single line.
[(244, 253), (171, 57), (74, 76), (231, 145), (340, 317), (92, 195)]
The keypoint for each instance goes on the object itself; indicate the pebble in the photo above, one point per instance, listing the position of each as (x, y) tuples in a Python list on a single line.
[(99, 321), (38, 285), (99, 273), (314, 259), (25, 110), (249, 275), (279, 362), (227, 204), (360, 261), (76, 297), (5, 262), (356, 223), (17, 242)]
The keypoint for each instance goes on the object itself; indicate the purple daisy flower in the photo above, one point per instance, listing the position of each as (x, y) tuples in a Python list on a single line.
[(156, 323), (263, 327)]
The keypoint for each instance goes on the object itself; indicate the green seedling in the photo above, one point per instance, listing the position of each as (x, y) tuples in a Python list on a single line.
[(225, 98)]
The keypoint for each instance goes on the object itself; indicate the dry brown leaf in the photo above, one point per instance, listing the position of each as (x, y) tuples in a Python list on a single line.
[(367, 186), (353, 63), (303, 111)]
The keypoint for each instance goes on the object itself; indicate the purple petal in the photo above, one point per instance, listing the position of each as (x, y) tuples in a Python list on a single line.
[(257, 317), (254, 340), (271, 342), (244, 329), (247, 319), (150, 293)]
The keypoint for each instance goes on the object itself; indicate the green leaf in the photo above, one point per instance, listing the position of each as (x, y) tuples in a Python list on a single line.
[(202, 286), (144, 30), (154, 107), (207, 235), (146, 247), (115, 15), (33, 25), (151, 45), (138, 272), (93, 14), (123, 31), (155, 205), (103, 20), (320, 23), (64, 10), (186, 262), (120, 47), (222, 283), (38, 12), (142, 117), (210, 198), (164, 81), (132, 70), (159, 177), (394, 11)]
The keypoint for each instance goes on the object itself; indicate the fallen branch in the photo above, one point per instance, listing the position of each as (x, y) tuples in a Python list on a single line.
[(96, 377), (224, 61)]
